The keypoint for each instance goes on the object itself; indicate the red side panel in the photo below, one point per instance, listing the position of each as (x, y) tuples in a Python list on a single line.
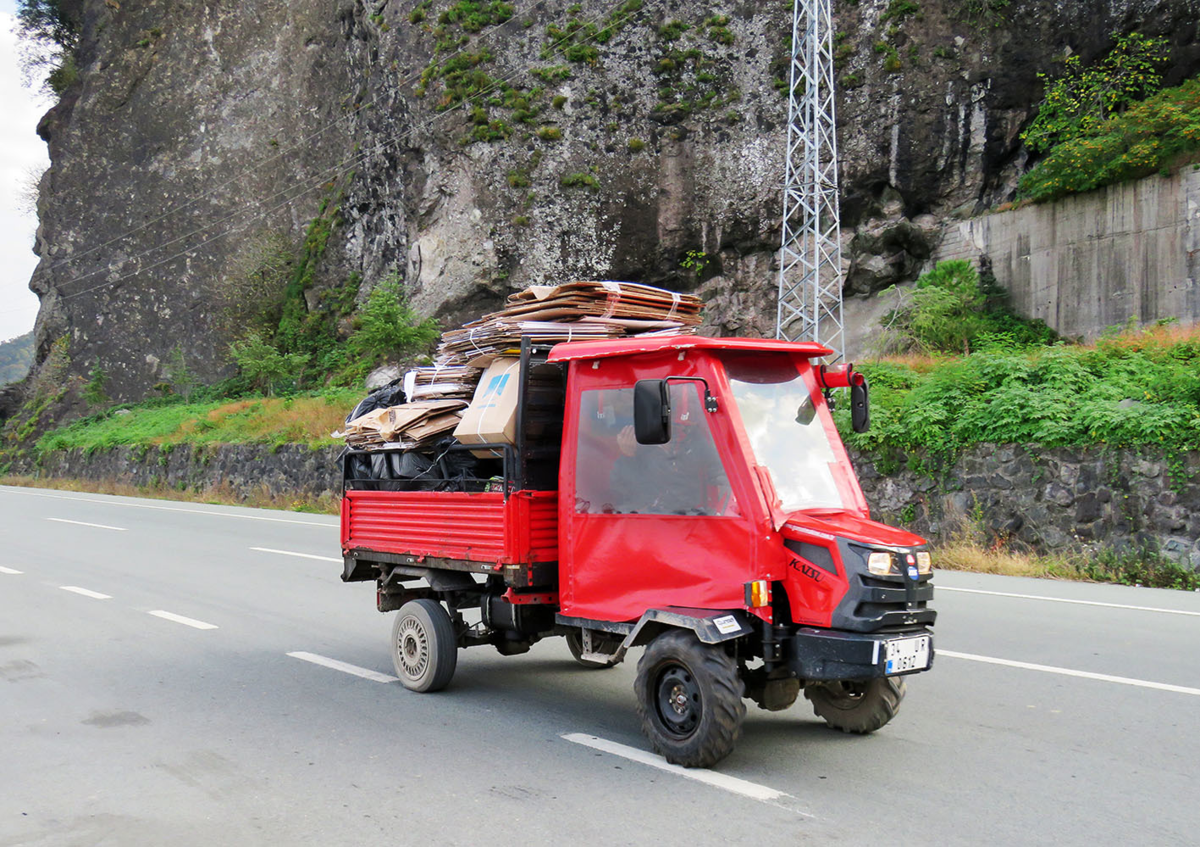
[(476, 527)]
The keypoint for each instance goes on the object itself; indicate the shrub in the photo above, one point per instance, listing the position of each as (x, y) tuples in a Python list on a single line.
[(388, 328), (1080, 100), (580, 180), (264, 366), (1151, 136), (1135, 389), (953, 309)]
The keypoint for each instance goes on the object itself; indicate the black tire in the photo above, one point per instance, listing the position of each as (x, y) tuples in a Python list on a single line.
[(424, 647), (858, 706), (689, 699), (575, 645)]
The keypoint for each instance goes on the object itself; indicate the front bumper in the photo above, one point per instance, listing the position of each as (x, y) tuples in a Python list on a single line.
[(825, 654)]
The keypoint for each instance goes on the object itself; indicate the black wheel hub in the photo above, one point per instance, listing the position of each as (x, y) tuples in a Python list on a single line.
[(677, 698)]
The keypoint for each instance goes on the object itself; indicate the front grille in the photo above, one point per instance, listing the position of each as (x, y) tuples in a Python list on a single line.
[(881, 602)]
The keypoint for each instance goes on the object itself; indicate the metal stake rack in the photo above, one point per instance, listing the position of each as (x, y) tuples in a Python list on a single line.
[(810, 284)]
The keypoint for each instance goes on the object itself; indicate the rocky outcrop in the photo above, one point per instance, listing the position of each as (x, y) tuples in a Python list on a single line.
[(196, 132)]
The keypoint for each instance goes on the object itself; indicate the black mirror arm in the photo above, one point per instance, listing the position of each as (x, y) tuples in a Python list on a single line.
[(710, 402)]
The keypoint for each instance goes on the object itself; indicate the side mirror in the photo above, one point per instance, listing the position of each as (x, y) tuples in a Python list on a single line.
[(651, 411), (860, 403)]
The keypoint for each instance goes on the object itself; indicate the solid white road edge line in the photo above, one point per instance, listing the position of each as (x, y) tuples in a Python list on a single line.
[(192, 622), (85, 523), (334, 664), (1102, 677), (116, 501), (11, 571), (95, 595), (1066, 600), (718, 780), (299, 555)]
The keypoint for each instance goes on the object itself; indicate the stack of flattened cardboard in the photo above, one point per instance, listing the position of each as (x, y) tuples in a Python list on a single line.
[(410, 427), (441, 383), (482, 341), (575, 311), (618, 301)]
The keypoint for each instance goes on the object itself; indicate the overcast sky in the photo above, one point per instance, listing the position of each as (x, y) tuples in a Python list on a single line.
[(21, 153)]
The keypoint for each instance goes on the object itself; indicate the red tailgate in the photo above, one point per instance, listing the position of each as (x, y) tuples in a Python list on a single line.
[(450, 525)]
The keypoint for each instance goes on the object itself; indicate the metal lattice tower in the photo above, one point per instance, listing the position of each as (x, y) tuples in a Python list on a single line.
[(810, 284)]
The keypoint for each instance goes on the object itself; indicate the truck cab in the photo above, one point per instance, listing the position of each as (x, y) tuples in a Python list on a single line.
[(703, 507)]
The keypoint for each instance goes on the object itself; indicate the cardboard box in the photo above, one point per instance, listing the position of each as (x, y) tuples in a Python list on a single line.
[(492, 416)]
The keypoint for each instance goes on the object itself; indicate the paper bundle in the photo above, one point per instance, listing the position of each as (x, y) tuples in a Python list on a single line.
[(410, 426), (442, 383), (576, 311)]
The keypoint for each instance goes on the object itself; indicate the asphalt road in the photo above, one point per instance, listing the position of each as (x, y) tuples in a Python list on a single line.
[(147, 697)]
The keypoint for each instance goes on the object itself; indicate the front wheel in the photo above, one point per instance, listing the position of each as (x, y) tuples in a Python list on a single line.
[(424, 648), (858, 706), (689, 699)]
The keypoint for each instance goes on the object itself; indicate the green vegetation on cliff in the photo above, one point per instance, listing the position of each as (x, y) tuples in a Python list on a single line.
[(1152, 136), (1108, 122)]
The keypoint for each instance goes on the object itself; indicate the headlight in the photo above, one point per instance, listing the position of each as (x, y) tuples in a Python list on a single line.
[(924, 562), (880, 563)]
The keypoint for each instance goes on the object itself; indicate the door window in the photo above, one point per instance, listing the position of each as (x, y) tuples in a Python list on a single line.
[(616, 475)]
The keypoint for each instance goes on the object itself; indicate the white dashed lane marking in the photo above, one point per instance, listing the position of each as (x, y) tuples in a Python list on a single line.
[(718, 780), (11, 571), (298, 555), (334, 664), (1066, 600), (192, 622), (85, 523), (95, 595)]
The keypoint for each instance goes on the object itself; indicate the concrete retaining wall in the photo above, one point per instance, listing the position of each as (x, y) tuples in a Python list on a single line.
[(1096, 260)]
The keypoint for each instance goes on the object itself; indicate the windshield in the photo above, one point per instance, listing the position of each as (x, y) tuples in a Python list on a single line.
[(786, 431)]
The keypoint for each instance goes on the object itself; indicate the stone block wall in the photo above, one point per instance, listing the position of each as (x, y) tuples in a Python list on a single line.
[(239, 470), (1051, 500)]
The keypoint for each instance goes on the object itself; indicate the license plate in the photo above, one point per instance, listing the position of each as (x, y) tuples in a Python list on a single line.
[(907, 654)]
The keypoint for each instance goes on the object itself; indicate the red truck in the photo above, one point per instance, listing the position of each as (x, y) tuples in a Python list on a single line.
[(690, 495)]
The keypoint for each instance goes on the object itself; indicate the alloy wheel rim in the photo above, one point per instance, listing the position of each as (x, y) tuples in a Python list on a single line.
[(412, 647)]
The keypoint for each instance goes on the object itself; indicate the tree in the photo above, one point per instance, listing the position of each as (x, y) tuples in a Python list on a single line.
[(1082, 98), (183, 380), (387, 327), (50, 30), (263, 365)]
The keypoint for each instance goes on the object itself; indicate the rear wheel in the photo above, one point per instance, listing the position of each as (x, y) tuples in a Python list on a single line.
[(575, 645), (858, 706), (424, 647), (689, 699)]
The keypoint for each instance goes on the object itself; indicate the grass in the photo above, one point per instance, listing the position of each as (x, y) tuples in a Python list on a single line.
[(305, 419), (218, 495), (967, 551)]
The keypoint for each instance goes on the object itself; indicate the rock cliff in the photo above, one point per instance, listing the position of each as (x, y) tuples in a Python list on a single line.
[(477, 147)]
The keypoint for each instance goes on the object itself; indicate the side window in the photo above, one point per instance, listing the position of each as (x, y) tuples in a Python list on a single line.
[(615, 475)]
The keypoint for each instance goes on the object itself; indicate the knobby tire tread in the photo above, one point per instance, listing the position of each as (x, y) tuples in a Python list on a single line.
[(724, 708), (877, 707)]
